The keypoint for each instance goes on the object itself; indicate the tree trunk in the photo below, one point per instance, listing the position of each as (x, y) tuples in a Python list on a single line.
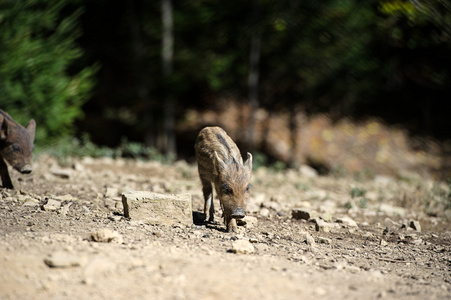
[(167, 54), (253, 78), (139, 76)]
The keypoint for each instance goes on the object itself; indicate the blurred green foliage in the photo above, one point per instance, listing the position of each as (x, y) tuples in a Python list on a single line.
[(38, 45), (384, 58), (68, 147)]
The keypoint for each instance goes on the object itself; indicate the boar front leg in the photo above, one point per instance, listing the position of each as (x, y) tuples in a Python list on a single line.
[(4, 175), (209, 209), (230, 223)]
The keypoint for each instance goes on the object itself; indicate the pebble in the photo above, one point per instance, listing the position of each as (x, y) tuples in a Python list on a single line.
[(303, 213), (62, 260), (106, 235), (326, 217), (322, 226), (242, 247), (307, 171), (347, 221), (415, 225), (62, 173), (264, 212), (323, 240), (51, 205)]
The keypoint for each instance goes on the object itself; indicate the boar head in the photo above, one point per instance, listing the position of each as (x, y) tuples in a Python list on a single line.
[(233, 185), (16, 143)]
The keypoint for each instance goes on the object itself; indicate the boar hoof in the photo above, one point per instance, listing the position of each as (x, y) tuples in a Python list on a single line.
[(238, 213)]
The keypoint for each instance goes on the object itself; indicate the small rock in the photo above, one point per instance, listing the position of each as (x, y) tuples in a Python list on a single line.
[(264, 212), (323, 240), (417, 242), (106, 235), (158, 209), (326, 217), (415, 225), (115, 218), (322, 226), (62, 260), (308, 238), (65, 208), (308, 171), (347, 221), (383, 243), (62, 173), (31, 203), (303, 213), (51, 205), (242, 247)]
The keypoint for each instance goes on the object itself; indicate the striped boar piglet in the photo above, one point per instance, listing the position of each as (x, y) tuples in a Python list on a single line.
[(220, 163), (16, 145)]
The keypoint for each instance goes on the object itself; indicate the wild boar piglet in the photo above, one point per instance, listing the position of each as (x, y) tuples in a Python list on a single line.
[(220, 163), (16, 145)]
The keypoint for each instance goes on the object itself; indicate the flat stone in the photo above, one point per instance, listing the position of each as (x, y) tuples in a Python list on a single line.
[(106, 235), (347, 221), (242, 247), (31, 203), (62, 260), (62, 173), (51, 205), (158, 209)]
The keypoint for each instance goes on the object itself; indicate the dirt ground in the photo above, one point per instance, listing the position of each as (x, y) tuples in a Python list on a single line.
[(367, 248)]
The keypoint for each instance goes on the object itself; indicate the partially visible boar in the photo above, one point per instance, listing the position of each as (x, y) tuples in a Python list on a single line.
[(220, 163), (16, 144)]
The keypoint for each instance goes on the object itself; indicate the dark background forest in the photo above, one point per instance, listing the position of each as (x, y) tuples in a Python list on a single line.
[(112, 72)]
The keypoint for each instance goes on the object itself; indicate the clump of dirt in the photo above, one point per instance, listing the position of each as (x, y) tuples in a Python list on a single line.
[(383, 238)]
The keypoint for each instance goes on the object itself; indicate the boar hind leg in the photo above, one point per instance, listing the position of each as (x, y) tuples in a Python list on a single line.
[(209, 209), (4, 175)]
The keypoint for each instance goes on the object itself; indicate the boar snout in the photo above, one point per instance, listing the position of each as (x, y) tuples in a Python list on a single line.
[(26, 169), (238, 213)]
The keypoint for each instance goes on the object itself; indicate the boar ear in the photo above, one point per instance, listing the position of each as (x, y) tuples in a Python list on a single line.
[(248, 162), (3, 128), (218, 164), (31, 127)]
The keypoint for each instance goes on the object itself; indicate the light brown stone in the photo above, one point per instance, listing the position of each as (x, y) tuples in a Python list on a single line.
[(158, 209)]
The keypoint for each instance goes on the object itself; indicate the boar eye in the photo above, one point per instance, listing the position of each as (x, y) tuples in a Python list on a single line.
[(16, 148), (227, 189), (248, 187)]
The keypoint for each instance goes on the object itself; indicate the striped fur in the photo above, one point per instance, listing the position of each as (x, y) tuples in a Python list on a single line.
[(220, 163)]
